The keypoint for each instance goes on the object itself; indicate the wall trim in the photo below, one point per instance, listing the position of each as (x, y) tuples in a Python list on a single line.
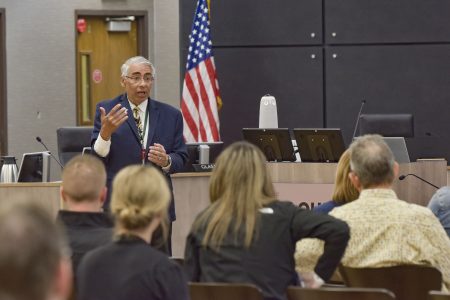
[(3, 99)]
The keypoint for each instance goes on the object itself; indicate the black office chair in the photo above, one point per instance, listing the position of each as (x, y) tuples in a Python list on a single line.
[(390, 125), (71, 141)]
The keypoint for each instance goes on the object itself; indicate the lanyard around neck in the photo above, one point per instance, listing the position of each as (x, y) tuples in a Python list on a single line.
[(144, 132)]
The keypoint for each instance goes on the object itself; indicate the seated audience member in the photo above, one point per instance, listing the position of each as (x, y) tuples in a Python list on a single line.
[(440, 206), (247, 236), (344, 191), (83, 191), (34, 256), (129, 268), (384, 231)]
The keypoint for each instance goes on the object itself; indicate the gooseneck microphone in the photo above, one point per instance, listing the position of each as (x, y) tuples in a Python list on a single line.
[(401, 177), (42, 143), (357, 119)]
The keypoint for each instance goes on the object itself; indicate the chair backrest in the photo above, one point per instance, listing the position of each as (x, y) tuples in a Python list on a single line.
[(71, 141), (400, 125), (340, 293), (407, 282), (437, 295), (224, 291)]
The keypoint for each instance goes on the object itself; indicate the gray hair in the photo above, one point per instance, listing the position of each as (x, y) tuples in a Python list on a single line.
[(372, 161), (136, 60)]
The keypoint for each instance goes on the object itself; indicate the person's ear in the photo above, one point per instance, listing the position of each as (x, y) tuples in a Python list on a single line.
[(122, 82), (103, 195), (62, 194), (396, 169), (355, 180)]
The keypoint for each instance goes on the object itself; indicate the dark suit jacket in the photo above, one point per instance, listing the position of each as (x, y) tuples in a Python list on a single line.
[(165, 128)]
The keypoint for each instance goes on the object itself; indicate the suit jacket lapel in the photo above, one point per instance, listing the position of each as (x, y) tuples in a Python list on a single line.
[(153, 117), (130, 120)]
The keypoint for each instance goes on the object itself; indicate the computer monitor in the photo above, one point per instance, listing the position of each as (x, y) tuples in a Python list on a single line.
[(319, 144), (193, 149), (398, 148), (35, 167), (275, 143), (391, 125)]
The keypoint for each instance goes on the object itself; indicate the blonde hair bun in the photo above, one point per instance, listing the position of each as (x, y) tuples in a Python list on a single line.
[(139, 194)]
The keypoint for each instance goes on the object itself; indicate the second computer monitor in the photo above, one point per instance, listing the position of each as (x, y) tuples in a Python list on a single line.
[(275, 143), (319, 144)]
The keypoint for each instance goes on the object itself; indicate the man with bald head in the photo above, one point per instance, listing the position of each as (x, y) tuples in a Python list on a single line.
[(83, 191)]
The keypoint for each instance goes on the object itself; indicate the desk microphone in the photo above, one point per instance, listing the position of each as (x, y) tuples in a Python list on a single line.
[(401, 177), (357, 119), (41, 142)]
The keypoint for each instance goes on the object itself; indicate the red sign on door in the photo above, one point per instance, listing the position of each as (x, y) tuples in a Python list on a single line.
[(81, 25), (97, 76)]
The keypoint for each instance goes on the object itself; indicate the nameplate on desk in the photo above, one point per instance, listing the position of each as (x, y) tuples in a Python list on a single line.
[(203, 167)]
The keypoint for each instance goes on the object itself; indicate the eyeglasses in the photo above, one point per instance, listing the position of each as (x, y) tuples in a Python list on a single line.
[(137, 79)]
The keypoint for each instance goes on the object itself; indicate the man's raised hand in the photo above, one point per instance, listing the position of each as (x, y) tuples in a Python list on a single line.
[(112, 120)]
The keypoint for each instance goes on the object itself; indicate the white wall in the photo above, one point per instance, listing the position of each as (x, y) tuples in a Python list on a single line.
[(40, 61)]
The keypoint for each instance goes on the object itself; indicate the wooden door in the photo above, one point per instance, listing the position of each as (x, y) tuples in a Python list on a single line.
[(101, 52)]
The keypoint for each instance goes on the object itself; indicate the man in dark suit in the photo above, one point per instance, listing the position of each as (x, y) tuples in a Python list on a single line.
[(135, 129)]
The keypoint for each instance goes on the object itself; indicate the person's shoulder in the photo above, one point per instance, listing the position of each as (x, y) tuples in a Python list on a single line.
[(165, 107), (418, 210), (92, 257), (161, 264), (109, 103), (170, 279), (281, 207)]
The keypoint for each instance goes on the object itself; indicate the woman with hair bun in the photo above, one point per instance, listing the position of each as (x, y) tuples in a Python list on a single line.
[(129, 268)]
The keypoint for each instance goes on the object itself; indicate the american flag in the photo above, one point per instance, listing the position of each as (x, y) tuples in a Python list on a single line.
[(200, 98)]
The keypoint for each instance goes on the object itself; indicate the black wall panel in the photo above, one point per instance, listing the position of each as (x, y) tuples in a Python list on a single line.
[(289, 74), (393, 53), (392, 79), (386, 21), (260, 22), (187, 10)]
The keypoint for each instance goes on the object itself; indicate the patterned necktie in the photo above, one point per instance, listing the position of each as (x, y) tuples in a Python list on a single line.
[(137, 119)]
